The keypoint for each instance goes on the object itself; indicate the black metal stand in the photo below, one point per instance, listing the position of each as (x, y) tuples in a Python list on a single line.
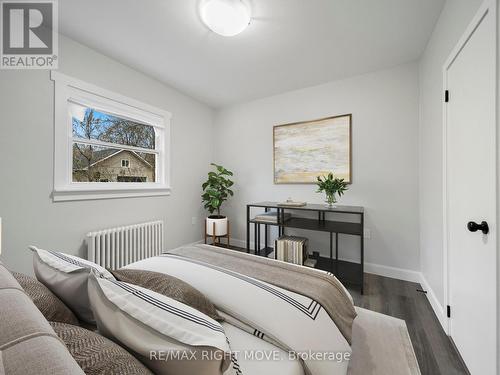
[(355, 271)]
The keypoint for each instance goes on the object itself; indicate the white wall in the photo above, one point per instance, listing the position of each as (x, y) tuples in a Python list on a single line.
[(384, 106), (452, 23), (26, 160)]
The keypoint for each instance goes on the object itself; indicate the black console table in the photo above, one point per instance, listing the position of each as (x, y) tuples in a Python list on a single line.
[(347, 272)]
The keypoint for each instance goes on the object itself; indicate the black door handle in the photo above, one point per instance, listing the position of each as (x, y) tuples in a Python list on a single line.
[(474, 227)]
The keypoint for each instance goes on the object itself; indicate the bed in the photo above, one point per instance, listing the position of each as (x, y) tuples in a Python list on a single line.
[(275, 317), (379, 344)]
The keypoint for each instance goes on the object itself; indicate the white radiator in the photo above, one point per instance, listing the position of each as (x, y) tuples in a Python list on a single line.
[(117, 247)]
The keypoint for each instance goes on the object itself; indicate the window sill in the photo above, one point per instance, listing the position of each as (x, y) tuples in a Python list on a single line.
[(80, 194)]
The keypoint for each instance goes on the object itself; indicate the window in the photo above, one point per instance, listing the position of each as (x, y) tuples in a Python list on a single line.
[(93, 163), (107, 145)]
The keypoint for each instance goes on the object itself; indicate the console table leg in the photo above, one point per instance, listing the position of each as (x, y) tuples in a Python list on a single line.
[(265, 237), (278, 218), (265, 234), (362, 253), (255, 238), (331, 252), (336, 253), (248, 229), (258, 238)]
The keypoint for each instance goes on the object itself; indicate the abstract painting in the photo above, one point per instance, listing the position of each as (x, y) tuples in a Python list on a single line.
[(305, 150)]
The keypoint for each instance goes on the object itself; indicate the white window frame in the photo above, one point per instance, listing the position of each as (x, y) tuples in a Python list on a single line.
[(68, 89), (125, 161)]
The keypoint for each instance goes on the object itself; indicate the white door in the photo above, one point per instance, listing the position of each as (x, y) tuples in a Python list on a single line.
[(470, 77)]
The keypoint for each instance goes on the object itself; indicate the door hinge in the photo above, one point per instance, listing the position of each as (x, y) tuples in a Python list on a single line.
[(446, 96), (448, 311)]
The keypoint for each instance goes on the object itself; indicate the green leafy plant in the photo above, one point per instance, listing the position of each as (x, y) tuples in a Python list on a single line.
[(216, 190), (331, 186)]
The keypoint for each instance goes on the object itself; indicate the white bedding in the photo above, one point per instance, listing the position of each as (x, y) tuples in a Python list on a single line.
[(251, 351), (292, 319)]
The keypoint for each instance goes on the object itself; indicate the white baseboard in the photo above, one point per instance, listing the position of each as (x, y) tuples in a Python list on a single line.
[(416, 277), (436, 306), (393, 272)]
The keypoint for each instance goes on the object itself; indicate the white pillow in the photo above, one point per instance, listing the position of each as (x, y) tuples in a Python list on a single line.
[(169, 336), (66, 276)]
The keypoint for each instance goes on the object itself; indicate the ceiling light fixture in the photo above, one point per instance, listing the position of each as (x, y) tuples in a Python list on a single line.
[(225, 17)]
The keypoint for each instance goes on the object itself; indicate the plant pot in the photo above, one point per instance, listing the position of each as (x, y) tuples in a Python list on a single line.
[(330, 201), (220, 225)]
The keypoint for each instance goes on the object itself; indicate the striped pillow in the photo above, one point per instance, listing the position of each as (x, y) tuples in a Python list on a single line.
[(169, 336), (67, 277)]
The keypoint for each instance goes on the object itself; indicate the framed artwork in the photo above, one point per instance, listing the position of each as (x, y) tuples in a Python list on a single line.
[(305, 150)]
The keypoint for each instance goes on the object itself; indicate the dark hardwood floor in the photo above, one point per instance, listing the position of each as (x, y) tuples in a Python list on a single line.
[(435, 352)]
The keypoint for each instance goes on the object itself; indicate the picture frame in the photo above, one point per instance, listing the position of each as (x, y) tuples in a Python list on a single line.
[(307, 149)]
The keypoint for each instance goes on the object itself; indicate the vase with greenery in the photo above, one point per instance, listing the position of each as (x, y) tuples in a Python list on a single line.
[(331, 186), (217, 190)]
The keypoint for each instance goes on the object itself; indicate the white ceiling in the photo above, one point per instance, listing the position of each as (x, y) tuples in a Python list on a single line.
[(289, 44)]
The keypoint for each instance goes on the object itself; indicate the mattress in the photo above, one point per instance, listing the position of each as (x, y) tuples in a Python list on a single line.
[(258, 357)]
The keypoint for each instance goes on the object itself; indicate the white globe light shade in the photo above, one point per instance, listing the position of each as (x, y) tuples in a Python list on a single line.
[(225, 17)]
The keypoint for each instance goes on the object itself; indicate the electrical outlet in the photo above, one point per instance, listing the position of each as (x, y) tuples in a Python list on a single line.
[(368, 234), (194, 220)]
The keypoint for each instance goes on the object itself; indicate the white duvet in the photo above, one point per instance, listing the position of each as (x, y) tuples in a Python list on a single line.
[(298, 322), (258, 357)]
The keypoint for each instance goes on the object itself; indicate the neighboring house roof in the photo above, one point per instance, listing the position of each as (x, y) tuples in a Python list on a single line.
[(118, 152), (106, 154)]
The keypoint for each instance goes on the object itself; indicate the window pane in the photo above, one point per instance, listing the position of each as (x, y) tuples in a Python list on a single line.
[(89, 123), (102, 164)]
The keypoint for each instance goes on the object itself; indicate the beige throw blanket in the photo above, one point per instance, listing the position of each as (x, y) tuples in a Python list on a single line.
[(320, 286)]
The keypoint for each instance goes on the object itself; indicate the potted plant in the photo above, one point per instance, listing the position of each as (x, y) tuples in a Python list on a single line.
[(216, 190), (331, 186)]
